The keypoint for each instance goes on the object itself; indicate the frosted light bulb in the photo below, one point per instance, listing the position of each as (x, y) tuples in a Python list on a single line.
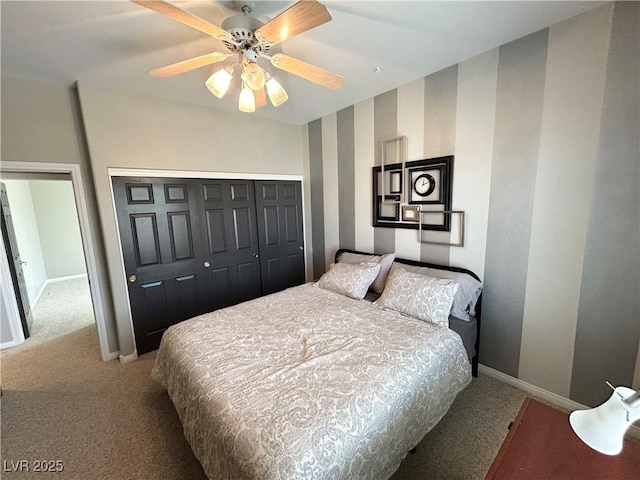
[(254, 76), (219, 82), (277, 94), (247, 102)]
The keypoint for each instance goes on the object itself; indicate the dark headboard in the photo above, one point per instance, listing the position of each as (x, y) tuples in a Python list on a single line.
[(474, 360)]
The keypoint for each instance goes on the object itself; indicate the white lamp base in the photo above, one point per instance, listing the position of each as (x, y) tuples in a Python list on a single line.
[(603, 428)]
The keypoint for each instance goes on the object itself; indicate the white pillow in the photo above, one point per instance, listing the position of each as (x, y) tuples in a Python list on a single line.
[(385, 262), (419, 296), (464, 302), (352, 280)]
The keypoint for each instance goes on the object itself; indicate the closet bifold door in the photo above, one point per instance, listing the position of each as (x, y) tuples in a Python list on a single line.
[(231, 241), (280, 230), (162, 244)]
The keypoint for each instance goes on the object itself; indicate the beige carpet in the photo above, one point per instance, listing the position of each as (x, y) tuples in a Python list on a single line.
[(64, 307), (111, 421)]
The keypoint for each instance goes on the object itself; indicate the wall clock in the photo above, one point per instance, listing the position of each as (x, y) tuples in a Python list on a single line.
[(427, 189), (424, 184)]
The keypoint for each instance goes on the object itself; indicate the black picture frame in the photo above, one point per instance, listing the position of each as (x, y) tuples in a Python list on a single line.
[(381, 207), (390, 194), (437, 191), (392, 201), (395, 182), (440, 169)]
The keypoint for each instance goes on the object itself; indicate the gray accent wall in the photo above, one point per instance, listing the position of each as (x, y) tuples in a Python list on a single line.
[(317, 197), (554, 116), (521, 75), (346, 178), (440, 102), (608, 327), (385, 127)]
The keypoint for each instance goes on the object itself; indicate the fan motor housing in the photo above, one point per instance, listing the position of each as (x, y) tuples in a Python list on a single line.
[(241, 28)]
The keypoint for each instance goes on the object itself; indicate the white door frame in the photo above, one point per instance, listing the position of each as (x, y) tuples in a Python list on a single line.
[(85, 232), (139, 172), (9, 297)]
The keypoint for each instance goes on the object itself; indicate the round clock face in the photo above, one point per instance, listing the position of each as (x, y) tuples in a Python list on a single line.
[(424, 185)]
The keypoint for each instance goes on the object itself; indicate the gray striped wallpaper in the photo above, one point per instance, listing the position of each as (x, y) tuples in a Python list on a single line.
[(317, 197), (385, 120), (610, 295), (346, 174), (561, 202), (440, 101), (521, 75)]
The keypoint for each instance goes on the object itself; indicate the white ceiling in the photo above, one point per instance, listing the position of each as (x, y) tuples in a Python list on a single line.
[(114, 43)]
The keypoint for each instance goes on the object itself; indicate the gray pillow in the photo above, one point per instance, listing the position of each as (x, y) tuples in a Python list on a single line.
[(385, 262), (464, 302)]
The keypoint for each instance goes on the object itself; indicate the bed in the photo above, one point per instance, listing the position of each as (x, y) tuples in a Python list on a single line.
[(310, 383)]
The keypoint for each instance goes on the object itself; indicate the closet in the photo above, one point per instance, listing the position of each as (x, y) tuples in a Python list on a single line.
[(195, 245)]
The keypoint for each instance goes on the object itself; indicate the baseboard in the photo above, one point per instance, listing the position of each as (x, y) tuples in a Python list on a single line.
[(110, 356), (9, 344), (68, 277), (128, 358), (553, 398), (38, 295)]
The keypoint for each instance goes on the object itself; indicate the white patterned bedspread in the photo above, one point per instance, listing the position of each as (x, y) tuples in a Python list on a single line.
[(308, 384)]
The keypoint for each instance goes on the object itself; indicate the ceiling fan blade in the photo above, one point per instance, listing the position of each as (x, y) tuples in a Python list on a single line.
[(185, 18), (260, 97), (307, 71), (300, 17), (188, 65)]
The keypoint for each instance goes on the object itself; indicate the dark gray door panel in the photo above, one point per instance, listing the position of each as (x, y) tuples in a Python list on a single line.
[(279, 206)]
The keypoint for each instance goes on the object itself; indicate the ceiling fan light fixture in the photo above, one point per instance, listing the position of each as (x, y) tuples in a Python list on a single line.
[(254, 75), (219, 82), (249, 38), (276, 93), (246, 102)]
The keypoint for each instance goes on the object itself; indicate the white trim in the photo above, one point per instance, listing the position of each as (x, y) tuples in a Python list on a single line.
[(9, 297), (36, 299), (128, 358), (636, 376), (9, 344), (137, 172), (562, 402), (65, 278), (532, 389), (122, 278), (85, 231)]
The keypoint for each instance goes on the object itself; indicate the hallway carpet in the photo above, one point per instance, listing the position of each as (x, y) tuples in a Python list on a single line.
[(64, 307)]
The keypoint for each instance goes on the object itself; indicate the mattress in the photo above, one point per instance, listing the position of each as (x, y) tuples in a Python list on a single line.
[(307, 383)]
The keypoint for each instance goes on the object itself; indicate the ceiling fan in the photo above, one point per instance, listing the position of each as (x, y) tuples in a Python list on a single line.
[(249, 39)]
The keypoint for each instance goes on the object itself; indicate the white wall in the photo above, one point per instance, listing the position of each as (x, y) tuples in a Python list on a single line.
[(27, 234), (58, 227), (5, 329), (9, 315)]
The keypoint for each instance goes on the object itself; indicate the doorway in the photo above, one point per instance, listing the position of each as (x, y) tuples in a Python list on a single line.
[(48, 238), (11, 324)]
